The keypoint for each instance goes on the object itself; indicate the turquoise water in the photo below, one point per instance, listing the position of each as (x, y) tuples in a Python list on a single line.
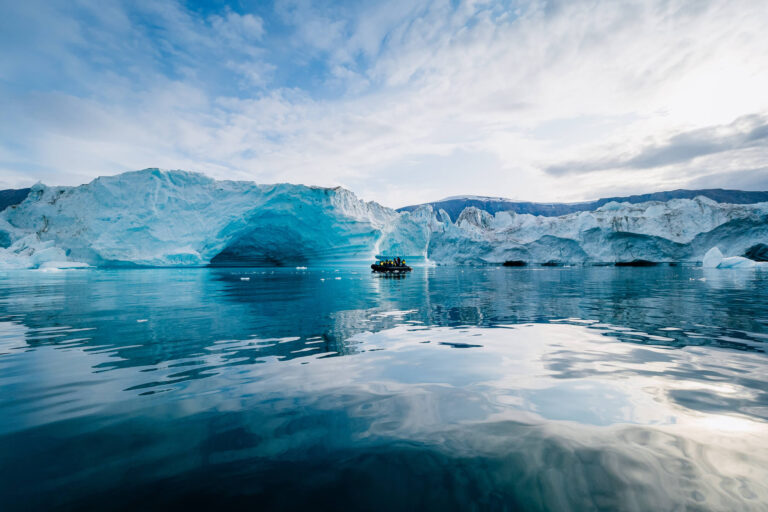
[(322, 389)]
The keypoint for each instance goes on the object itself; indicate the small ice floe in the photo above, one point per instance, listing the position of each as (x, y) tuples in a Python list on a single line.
[(715, 259), (737, 262), (141, 320), (56, 266), (245, 278), (322, 279), (301, 268), (337, 278), (712, 259)]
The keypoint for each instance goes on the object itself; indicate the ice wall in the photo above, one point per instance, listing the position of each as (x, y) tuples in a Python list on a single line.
[(680, 230), (167, 218)]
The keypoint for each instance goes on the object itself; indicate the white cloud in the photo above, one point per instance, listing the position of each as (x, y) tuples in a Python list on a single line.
[(419, 100)]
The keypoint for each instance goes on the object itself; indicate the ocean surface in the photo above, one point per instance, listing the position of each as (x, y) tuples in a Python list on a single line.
[(595, 388)]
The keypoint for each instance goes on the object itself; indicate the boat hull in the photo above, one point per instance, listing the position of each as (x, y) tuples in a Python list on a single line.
[(382, 268)]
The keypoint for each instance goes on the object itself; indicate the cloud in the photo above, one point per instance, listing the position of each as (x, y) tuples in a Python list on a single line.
[(745, 132), (401, 101), (237, 28), (747, 179)]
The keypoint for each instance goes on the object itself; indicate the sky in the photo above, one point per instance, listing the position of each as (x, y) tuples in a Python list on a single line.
[(402, 102)]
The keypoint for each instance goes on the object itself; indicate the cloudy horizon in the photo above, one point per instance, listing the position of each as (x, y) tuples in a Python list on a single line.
[(402, 102)]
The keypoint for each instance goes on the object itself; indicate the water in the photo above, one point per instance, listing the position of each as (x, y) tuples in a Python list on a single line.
[(447, 389)]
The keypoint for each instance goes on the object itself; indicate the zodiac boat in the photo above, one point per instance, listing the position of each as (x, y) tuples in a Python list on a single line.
[(390, 268)]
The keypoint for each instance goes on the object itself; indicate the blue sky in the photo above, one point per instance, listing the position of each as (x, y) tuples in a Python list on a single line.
[(400, 101)]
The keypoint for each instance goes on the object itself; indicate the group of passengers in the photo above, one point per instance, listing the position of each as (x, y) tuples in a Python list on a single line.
[(397, 262)]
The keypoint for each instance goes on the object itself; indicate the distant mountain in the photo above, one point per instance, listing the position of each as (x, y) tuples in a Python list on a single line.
[(12, 197), (455, 205)]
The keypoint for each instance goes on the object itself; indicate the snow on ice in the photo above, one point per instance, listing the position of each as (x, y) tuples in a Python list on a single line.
[(178, 218)]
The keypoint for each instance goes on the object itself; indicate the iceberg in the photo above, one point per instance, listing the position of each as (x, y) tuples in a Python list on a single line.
[(737, 262), (715, 259), (712, 258), (178, 218)]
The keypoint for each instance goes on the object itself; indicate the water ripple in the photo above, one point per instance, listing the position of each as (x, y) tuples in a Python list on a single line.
[(564, 389)]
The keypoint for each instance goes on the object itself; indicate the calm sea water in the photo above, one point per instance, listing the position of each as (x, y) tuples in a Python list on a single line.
[(447, 389)]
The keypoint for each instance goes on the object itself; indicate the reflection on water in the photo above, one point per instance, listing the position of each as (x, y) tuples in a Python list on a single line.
[(532, 389)]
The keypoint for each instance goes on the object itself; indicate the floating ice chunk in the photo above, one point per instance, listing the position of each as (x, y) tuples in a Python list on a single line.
[(712, 259), (715, 259), (176, 218), (245, 278), (737, 262), (62, 265)]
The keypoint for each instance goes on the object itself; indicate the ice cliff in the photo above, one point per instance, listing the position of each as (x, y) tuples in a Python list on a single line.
[(168, 218), (165, 218), (679, 230)]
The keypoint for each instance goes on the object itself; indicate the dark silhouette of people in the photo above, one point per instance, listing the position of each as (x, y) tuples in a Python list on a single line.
[(393, 262)]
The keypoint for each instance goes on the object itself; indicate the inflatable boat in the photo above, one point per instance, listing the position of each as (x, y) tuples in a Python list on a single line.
[(390, 268)]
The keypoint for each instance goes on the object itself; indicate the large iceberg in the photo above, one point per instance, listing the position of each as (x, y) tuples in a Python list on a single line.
[(169, 218), (176, 218)]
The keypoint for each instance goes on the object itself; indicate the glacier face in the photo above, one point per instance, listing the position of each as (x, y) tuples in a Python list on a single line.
[(169, 218), (680, 230)]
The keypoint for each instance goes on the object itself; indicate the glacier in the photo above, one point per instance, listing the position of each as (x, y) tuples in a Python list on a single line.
[(179, 218), (679, 230)]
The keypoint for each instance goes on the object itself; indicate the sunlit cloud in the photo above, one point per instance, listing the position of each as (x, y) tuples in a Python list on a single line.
[(402, 102), (748, 132)]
